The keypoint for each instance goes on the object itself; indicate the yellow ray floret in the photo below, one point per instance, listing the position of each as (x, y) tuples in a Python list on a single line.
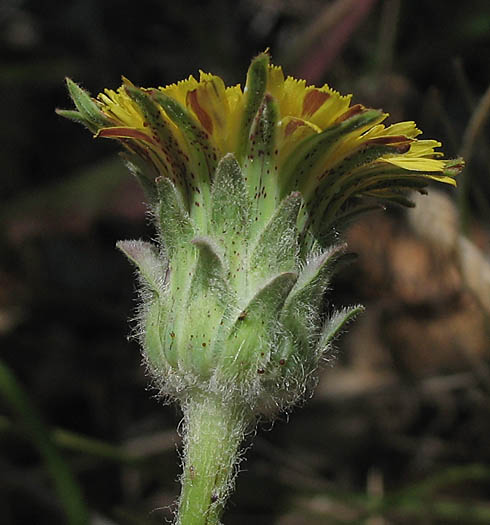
[(119, 106), (216, 107), (303, 111)]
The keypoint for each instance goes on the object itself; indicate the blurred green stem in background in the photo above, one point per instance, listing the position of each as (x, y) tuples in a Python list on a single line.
[(68, 490), (79, 443)]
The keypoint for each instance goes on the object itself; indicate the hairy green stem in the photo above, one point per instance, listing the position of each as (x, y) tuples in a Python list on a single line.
[(214, 429)]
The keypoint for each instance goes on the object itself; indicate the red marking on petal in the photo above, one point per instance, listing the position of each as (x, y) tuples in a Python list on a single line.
[(354, 110), (313, 100), (402, 148), (201, 114), (291, 126), (393, 139), (125, 133)]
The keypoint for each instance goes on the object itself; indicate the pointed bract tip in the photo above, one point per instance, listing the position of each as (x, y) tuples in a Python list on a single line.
[(74, 88), (134, 249), (261, 61), (263, 58), (134, 93), (61, 112), (266, 54), (228, 160), (229, 156), (126, 81)]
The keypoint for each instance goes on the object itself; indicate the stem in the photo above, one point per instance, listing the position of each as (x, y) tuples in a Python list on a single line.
[(69, 492), (214, 429)]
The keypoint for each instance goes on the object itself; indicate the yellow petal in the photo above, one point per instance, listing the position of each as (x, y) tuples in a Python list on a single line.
[(414, 163), (292, 130), (118, 105), (179, 91), (332, 108), (422, 148)]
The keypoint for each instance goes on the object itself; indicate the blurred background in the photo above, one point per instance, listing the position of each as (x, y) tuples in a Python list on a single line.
[(398, 431)]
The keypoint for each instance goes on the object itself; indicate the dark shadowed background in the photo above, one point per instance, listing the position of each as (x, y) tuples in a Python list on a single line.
[(398, 431)]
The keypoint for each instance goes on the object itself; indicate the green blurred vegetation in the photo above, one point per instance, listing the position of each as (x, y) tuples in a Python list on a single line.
[(76, 417)]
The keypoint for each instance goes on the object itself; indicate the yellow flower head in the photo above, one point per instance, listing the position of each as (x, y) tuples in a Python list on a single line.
[(248, 188), (287, 136)]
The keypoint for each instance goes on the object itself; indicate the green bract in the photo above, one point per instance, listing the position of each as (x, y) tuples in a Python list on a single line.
[(236, 312)]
